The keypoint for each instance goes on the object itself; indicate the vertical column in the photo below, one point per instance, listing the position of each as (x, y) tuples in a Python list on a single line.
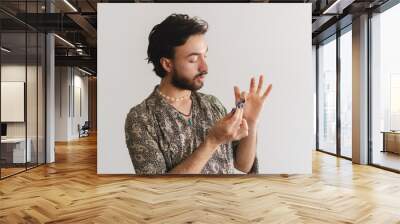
[(360, 90), (50, 92)]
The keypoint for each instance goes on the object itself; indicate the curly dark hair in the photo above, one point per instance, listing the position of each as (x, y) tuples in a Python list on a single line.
[(170, 33)]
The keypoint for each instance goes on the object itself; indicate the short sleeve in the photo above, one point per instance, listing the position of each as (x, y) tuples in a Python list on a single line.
[(143, 148), (218, 109)]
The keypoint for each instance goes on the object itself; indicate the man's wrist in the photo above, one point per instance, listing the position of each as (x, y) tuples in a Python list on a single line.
[(252, 125), (211, 142)]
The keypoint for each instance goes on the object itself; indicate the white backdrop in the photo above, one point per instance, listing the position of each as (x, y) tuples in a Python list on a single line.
[(243, 40), (12, 101)]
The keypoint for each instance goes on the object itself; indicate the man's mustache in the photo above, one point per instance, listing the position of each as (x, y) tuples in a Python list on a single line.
[(200, 74)]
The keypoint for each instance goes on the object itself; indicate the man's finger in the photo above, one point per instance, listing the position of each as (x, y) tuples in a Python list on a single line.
[(260, 84), (237, 94), (239, 118), (252, 85), (266, 93), (244, 129), (244, 124), (233, 120), (235, 114), (243, 95)]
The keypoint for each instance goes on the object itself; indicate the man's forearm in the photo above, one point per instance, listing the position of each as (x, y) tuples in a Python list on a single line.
[(246, 151), (197, 160)]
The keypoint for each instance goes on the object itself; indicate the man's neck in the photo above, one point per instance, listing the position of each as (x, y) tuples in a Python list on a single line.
[(170, 90), (184, 106)]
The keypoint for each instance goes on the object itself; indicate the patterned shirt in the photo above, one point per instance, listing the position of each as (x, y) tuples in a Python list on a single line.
[(159, 138)]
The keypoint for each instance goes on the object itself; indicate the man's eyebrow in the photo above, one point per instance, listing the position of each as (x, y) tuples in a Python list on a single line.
[(195, 53)]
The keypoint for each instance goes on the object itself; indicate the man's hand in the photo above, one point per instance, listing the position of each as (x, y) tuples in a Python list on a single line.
[(229, 128), (232, 127), (254, 100)]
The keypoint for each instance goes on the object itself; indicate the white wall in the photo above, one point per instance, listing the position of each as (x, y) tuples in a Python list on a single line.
[(68, 81), (274, 39), (61, 103)]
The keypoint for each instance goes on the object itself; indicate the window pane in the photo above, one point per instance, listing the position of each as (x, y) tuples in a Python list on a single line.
[(22, 89), (31, 101), (14, 150), (327, 96), (41, 98), (386, 88), (346, 94)]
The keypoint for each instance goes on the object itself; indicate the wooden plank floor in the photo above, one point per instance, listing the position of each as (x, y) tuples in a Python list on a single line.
[(70, 191), (10, 171)]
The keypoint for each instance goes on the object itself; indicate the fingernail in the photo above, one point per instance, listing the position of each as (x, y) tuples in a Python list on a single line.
[(240, 104)]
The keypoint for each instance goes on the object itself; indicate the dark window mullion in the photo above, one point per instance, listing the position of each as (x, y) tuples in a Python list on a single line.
[(26, 86), (338, 92), (369, 90), (0, 95), (317, 96), (37, 90)]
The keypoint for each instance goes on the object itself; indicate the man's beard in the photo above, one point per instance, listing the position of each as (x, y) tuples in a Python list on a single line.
[(181, 82)]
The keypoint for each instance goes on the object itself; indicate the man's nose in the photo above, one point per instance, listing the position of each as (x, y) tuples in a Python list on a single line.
[(203, 66)]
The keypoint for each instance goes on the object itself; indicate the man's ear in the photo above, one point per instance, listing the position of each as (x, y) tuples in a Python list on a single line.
[(166, 64)]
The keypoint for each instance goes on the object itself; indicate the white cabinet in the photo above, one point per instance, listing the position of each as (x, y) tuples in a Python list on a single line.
[(18, 149)]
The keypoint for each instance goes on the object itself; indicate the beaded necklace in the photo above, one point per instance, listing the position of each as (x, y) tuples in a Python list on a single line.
[(190, 122)]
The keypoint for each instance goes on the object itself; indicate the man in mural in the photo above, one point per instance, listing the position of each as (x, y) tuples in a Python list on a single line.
[(179, 130)]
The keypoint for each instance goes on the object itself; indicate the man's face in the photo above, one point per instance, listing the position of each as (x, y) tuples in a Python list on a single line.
[(189, 64)]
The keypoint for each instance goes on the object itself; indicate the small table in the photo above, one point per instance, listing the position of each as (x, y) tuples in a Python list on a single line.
[(13, 150), (391, 141)]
